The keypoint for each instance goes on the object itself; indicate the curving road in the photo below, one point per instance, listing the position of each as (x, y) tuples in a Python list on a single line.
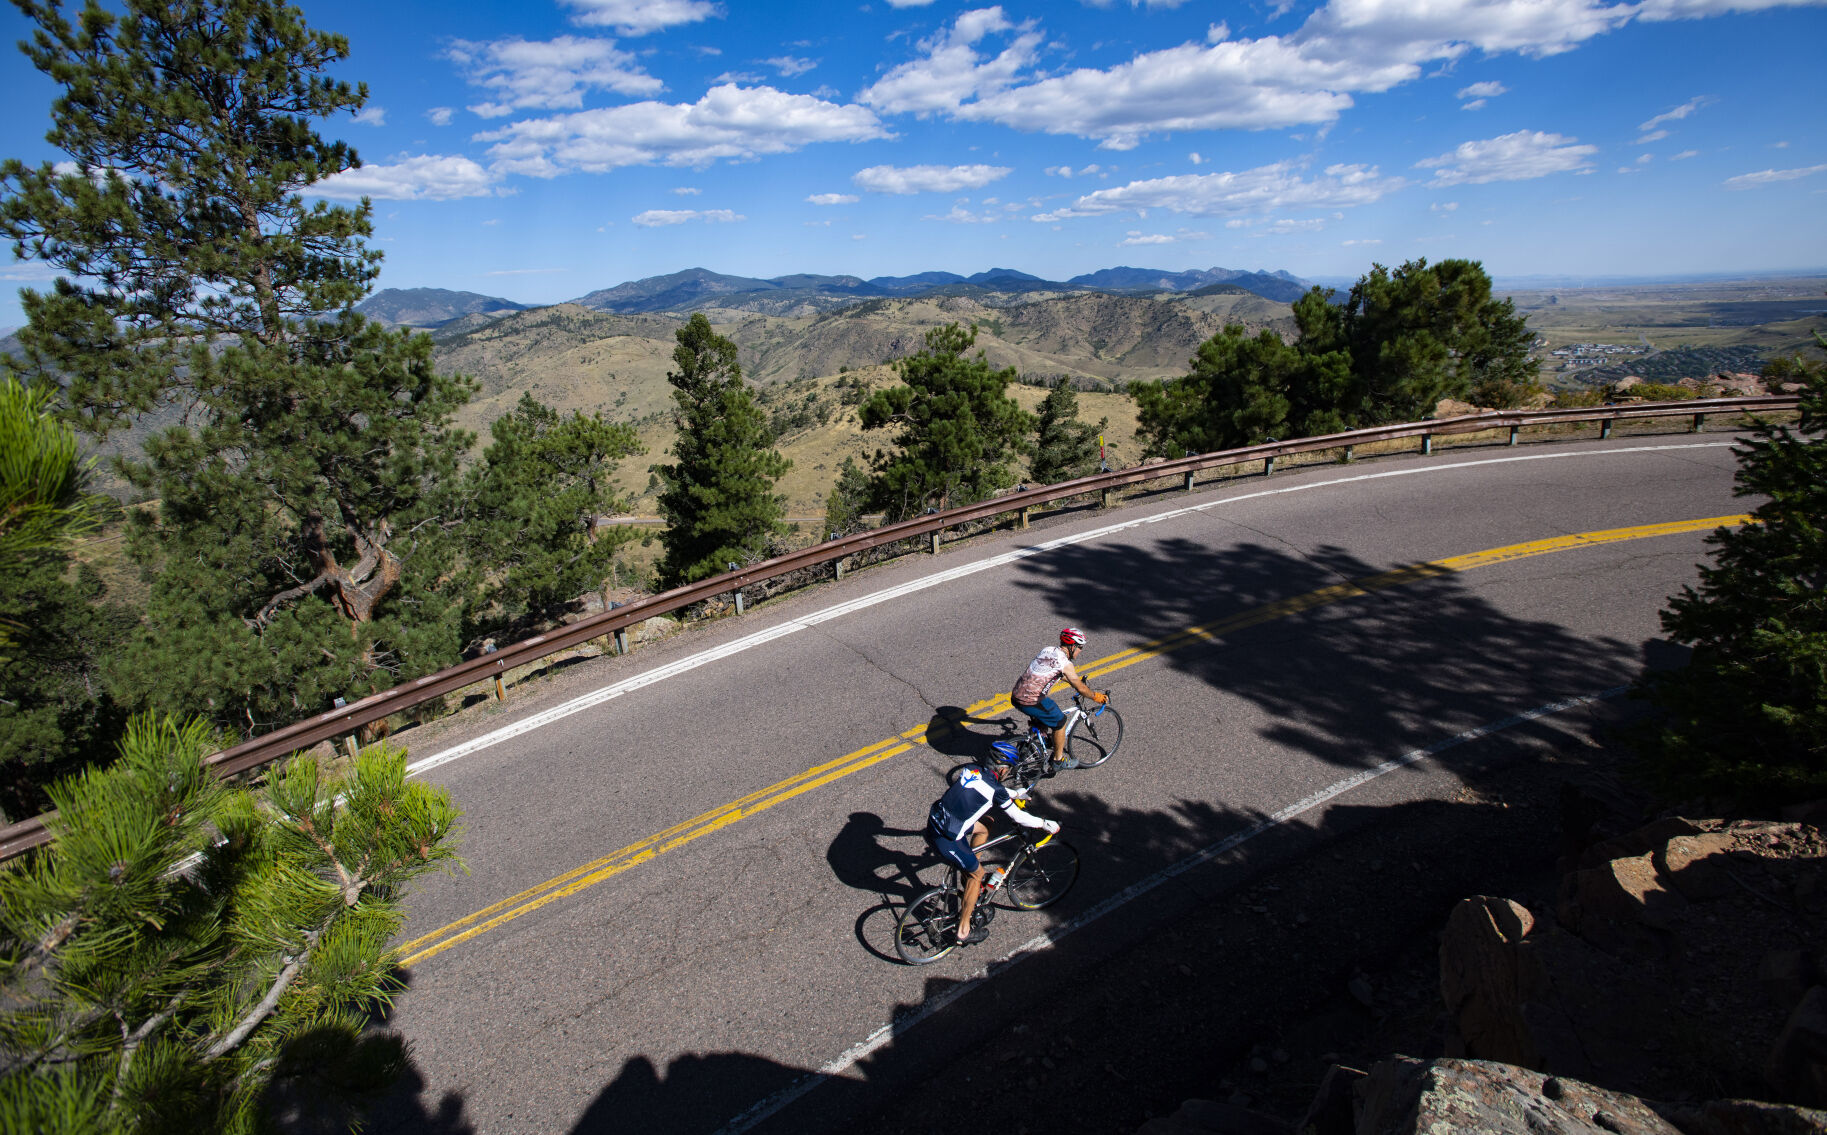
[(684, 864)]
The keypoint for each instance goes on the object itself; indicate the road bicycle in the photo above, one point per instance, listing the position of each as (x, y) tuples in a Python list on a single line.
[(1039, 874), (1092, 736)]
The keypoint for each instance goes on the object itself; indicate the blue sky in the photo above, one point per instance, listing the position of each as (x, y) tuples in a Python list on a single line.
[(544, 149)]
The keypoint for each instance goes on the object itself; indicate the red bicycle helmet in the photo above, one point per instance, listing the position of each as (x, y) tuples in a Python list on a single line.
[(1071, 636)]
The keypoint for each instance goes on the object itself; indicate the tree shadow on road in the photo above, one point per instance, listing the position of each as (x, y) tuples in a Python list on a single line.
[(1346, 660)]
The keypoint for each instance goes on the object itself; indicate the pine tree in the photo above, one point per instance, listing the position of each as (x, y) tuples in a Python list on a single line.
[(186, 955), (535, 502), (959, 431), (1234, 394), (847, 501), (296, 553), (1064, 447), (719, 502), (1747, 716), (55, 711)]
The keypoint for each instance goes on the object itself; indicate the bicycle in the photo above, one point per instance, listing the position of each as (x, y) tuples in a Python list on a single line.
[(1092, 736), (1038, 875)]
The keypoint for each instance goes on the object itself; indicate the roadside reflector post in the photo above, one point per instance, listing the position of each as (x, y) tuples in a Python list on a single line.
[(1187, 485), (1604, 429), (1427, 445), (1514, 430), (1699, 420)]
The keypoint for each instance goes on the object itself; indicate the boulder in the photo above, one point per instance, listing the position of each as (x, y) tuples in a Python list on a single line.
[(1743, 1117), (1696, 865), (1797, 1067), (1404, 1096), (1622, 906), (1638, 841), (1482, 968)]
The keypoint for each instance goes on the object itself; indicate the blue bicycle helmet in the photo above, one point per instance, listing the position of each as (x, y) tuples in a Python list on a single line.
[(1006, 752)]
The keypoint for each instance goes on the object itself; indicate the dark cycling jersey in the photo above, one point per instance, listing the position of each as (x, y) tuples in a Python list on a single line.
[(965, 802)]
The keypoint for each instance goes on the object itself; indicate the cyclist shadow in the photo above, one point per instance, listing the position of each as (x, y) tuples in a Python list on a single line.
[(947, 733), (859, 858)]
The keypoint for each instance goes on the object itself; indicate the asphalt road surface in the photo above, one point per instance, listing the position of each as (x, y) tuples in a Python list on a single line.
[(684, 864)]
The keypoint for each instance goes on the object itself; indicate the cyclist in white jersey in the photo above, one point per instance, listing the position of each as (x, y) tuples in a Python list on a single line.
[(1048, 667)]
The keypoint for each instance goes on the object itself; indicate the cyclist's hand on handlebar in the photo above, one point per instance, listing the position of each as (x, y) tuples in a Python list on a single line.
[(1101, 699), (1052, 826)]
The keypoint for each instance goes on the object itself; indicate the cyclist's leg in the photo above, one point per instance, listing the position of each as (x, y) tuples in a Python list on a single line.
[(973, 881), (1048, 716)]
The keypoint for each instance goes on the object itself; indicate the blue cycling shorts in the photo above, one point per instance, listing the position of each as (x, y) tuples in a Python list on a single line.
[(956, 852), (1045, 712)]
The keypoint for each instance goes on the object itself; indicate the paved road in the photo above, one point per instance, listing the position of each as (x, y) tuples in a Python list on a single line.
[(708, 839)]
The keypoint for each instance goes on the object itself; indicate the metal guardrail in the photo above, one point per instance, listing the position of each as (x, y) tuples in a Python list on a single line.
[(26, 834)]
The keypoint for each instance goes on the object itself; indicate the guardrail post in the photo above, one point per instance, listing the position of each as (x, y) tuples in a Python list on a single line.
[(1604, 429), (621, 641), (839, 565), (1514, 430), (1699, 420), (1350, 453), (1104, 499), (1268, 466), (1427, 445), (935, 536), (1188, 485), (1024, 518), (738, 594), (350, 747)]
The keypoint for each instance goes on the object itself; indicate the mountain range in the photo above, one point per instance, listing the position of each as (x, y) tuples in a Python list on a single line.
[(807, 294)]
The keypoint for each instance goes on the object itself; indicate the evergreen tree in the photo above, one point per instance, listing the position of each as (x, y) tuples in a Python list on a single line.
[(186, 955), (847, 501), (1747, 716), (959, 432), (719, 501), (536, 500), (296, 493), (1400, 343), (1064, 447), (55, 711)]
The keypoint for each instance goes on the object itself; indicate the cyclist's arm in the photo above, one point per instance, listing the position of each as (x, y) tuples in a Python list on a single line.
[(1078, 683), (1006, 801)]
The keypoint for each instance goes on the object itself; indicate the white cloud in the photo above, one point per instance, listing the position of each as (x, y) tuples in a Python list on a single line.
[(423, 178), (1069, 172), (1251, 192), (908, 3), (1475, 104), (547, 74), (1135, 238), (1195, 158), (1685, 155), (440, 115), (1680, 112), (1487, 90), (987, 68), (1645, 159), (1356, 243), (1443, 207), (959, 215), (1770, 176), (638, 17), (833, 199), (1521, 156), (371, 116), (654, 218), (687, 191), (1652, 136), (927, 179), (788, 66), (729, 123), (1779, 145)]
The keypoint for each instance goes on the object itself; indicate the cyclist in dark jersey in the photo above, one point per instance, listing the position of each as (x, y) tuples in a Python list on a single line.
[(955, 828), (1030, 692)]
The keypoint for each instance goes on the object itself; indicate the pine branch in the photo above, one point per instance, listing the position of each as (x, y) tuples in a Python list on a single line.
[(268, 1003), (137, 1038)]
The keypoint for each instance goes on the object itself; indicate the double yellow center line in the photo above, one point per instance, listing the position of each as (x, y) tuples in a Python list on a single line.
[(635, 854)]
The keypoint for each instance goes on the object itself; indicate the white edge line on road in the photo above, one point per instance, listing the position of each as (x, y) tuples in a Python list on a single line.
[(768, 1107), (737, 646)]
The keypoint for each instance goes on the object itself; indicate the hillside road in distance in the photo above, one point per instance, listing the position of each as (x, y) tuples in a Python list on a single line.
[(682, 882)]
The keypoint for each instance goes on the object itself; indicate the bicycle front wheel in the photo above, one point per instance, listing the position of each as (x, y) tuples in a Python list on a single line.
[(928, 928), (1094, 740), (1042, 876)]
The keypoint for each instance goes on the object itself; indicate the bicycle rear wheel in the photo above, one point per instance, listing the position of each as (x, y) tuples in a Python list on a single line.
[(928, 929), (1041, 876), (1094, 740)]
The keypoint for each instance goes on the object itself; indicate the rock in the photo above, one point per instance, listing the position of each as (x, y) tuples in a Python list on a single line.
[(1404, 1096), (1695, 864), (650, 630), (1621, 906), (1638, 841), (1797, 1067), (1481, 980), (1743, 1117), (1594, 807)]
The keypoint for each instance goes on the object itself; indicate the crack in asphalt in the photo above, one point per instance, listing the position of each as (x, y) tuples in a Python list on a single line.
[(925, 700)]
